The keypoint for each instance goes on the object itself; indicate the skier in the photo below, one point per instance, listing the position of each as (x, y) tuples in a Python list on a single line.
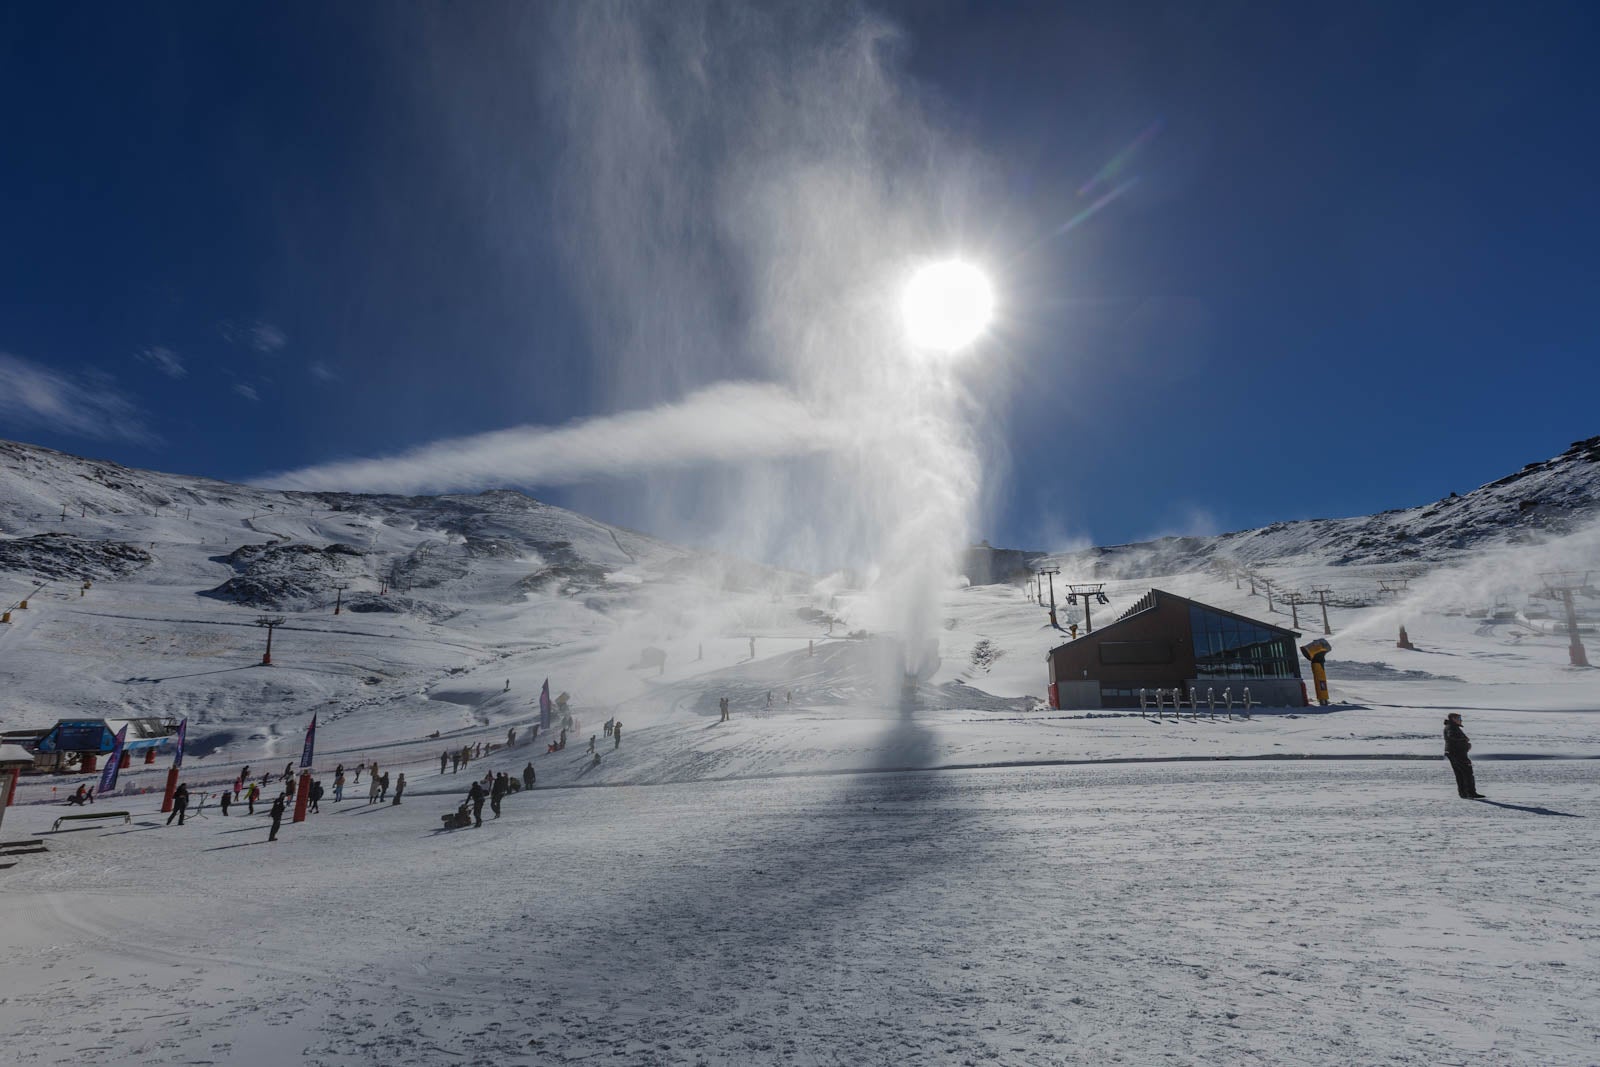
[(316, 796), (497, 792), (477, 796), (444, 757), (528, 776), (252, 796), (591, 742), (227, 798), (1456, 747), (76, 799), (180, 804), (511, 737), (244, 775), (277, 817), (288, 770), (616, 735), (399, 787)]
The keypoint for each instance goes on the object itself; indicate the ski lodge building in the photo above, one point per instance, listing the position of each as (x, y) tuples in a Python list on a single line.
[(1170, 642)]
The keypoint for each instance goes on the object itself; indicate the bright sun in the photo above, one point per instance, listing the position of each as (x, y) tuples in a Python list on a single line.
[(947, 305)]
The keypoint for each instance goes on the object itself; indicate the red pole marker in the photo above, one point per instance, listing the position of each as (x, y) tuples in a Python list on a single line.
[(302, 796), (172, 786)]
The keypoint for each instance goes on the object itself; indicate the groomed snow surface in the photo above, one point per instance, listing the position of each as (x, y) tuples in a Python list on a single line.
[(971, 878), (1278, 912)]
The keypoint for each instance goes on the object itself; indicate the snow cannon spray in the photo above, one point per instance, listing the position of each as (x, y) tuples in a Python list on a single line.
[(1317, 651)]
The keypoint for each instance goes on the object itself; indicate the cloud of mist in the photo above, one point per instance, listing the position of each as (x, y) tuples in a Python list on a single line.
[(733, 422), (737, 193)]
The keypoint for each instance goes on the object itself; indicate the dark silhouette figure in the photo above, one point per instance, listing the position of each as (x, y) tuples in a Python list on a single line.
[(277, 816), (180, 804), (1456, 747), (477, 796)]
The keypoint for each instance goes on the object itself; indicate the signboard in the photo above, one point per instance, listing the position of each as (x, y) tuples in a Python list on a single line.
[(77, 735), (310, 748), (183, 731), (108, 777), (544, 706)]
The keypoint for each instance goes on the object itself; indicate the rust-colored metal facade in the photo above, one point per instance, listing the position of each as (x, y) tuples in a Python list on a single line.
[(1152, 646)]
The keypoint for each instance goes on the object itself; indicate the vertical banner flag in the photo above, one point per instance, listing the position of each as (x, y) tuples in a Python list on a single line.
[(183, 731), (108, 777), (311, 743), (544, 706)]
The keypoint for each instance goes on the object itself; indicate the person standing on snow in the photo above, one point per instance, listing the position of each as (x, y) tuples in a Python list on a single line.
[(288, 770), (383, 786), (316, 795), (477, 796), (338, 785), (497, 792), (444, 757), (277, 817), (180, 804), (528, 776), (372, 789), (1456, 747), (591, 742), (252, 796), (616, 735), (227, 798), (399, 787)]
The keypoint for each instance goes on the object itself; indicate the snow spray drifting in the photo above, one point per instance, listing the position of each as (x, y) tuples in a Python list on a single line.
[(744, 194)]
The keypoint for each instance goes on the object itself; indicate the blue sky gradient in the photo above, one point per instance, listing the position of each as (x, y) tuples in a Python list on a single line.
[(1350, 264)]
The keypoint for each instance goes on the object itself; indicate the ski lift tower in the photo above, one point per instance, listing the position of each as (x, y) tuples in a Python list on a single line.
[(1561, 585), (1050, 573), (271, 622), (1091, 592)]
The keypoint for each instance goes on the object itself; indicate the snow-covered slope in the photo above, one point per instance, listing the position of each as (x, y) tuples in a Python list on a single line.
[(1542, 501)]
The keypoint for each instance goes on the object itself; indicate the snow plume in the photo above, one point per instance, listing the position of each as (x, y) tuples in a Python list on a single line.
[(748, 190), (723, 423), (1506, 576)]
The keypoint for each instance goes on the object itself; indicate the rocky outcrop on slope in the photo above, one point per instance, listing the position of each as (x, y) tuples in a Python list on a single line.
[(64, 556)]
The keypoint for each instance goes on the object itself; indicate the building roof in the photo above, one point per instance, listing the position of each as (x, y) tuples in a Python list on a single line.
[(1151, 600), (15, 754)]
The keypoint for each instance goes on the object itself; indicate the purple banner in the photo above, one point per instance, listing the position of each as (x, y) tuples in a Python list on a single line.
[(311, 744), (108, 777), (544, 707), (183, 731)]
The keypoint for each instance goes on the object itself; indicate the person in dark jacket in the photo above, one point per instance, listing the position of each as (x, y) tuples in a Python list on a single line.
[(277, 816), (497, 792), (528, 776), (316, 796), (227, 798), (477, 796), (180, 804), (1456, 747), (399, 787)]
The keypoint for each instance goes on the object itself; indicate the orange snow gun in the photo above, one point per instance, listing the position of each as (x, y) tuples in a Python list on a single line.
[(1317, 651)]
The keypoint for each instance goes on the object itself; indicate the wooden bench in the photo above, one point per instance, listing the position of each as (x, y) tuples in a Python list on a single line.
[(126, 817)]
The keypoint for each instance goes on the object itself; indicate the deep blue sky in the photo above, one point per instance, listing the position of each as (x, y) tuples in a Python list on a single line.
[(1356, 271)]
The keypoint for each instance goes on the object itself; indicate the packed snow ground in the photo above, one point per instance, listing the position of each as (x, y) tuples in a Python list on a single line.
[(839, 877), (1301, 913)]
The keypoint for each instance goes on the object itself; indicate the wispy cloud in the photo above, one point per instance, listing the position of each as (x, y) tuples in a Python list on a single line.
[(725, 423), (162, 359), (247, 391), (258, 336), (31, 395), (322, 372)]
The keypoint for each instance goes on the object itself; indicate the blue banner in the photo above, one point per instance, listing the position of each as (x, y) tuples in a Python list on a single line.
[(544, 706), (183, 731), (108, 777), (311, 744)]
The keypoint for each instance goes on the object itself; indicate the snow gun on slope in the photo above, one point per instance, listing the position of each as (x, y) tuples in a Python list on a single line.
[(1316, 652)]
